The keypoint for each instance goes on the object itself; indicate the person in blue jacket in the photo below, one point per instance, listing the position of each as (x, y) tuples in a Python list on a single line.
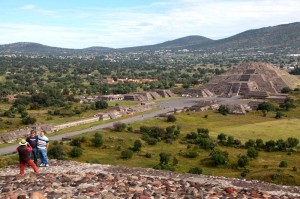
[(33, 140)]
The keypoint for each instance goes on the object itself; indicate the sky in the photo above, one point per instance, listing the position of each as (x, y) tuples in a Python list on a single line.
[(127, 23)]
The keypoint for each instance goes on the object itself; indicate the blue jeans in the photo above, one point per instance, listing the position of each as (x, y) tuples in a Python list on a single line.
[(43, 156), (34, 153)]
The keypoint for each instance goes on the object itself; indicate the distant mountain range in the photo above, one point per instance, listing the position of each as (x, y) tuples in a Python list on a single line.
[(40, 49), (286, 35)]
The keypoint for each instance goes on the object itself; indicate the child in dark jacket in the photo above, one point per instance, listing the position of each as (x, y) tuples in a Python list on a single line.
[(24, 156)]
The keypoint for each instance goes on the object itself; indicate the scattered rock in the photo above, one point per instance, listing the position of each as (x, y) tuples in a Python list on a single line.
[(67, 179), (230, 190), (37, 195)]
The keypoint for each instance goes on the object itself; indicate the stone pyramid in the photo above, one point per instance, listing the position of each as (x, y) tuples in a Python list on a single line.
[(252, 77)]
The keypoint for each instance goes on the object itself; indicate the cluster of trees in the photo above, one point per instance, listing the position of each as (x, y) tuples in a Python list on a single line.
[(166, 162), (201, 138), (273, 106), (23, 103), (272, 145), (20, 109), (58, 151), (83, 75), (53, 79), (295, 71), (128, 153), (99, 105), (154, 134), (228, 140)]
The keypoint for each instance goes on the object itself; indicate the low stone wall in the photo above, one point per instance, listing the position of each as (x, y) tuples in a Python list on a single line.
[(76, 123), (15, 135)]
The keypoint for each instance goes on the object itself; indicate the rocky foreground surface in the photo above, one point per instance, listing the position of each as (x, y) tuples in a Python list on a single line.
[(67, 179)]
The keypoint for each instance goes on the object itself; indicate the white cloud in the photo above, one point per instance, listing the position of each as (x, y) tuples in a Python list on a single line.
[(33, 8), (28, 7), (48, 35), (150, 24)]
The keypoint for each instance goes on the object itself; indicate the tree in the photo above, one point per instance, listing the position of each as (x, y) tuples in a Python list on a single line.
[(252, 152), (270, 145), (130, 128), (259, 143), (295, 71), (171, 118), (243, 160), (250, 143), (222, 138), (219, 157), (292, 142), (75, 142), (281, 145), (196, 170), (164, 158), (119, 126), (171, 133), (9, 114), (268, 106), (279, 115), (224, 110), (57, 152), (76, 152), (28, 120), (127, 154), (203, 132), (97, 140), (288, 103), (230, 140), (190, 154), (205, 143), (164, 163), (286, 90), (21, 108), (283, 164), (101, 105), (191, 136), (137, 145), (150, 140), (24, 114), (175, 161)]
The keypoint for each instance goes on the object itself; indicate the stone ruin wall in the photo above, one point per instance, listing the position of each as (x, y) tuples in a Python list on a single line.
[(13, 136), (76, 123)]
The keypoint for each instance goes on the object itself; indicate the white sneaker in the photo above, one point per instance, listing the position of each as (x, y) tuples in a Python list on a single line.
[(47, 165), (42, 165)]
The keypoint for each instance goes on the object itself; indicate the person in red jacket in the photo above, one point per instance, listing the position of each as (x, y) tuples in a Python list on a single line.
[(24, 156)]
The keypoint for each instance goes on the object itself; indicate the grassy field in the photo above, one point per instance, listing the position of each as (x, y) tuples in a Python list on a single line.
[(42, 116), (2, 78), (123, 103), (251, 126), (243, 127)]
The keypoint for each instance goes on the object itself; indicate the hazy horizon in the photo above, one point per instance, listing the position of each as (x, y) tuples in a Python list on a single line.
[(119, 24)]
